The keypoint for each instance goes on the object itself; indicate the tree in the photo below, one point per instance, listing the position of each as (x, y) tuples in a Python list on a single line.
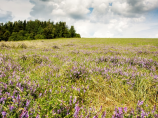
[(13, 37), (1, 35), (47, 32), (40, 30), (39, 36), (6, 35), (16, 28), (78, 36), (22, 30), (24, 25), (72, 32)]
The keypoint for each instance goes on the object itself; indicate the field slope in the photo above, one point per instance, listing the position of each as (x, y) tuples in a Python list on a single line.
[(86, 77)]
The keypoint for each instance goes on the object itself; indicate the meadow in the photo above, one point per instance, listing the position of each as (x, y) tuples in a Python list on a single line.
[(80, 78)]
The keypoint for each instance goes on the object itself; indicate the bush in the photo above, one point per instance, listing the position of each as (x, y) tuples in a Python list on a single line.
[(39, 36)]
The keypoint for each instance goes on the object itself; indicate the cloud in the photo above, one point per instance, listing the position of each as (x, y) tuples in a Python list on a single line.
[(60, 8), (134, 8), (20, 9), (42, 9), (91, 18), (96, 18), (5, 16), (103, 10)]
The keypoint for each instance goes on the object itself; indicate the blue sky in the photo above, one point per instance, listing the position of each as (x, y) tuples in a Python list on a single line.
[(91, 18)]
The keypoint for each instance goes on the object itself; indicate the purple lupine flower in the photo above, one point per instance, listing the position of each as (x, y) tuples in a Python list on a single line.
[(6, 86), (120, 110), (116, 112), (125, 109), (26, 114), (140, 103), (58, 111), (2, 99), (11, 108), (18, 97), (154, 109), (74, 100), (8, 93), (156, 76), (3, 113), (95, 116), (143, 114), (37, 116), (78, 89), (53, 112), (77, 109), (100, 109), (22, 114), (40, 94), (70, 100), (156, 115), (27, 103), (103, 114)]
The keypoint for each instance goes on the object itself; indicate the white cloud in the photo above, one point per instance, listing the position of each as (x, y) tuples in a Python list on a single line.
[(20, 8), (123, 18), (5, 15)]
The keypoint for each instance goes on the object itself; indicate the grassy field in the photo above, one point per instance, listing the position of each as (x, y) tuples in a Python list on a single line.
[(87, 77)]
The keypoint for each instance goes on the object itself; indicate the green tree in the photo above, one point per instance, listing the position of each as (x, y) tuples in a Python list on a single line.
[(6, 35), (40, 30), (72, 32), (13, 36), (78, 36), (24, 25), (47, 32), (29, 30), (39, 36)]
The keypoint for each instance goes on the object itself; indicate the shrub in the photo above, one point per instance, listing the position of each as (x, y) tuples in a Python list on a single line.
[(39, 36)]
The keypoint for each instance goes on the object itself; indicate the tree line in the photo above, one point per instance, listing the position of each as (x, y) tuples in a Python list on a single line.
[(30, 30)]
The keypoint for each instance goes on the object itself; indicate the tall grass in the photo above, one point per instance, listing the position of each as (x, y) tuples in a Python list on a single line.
[(79, 78)]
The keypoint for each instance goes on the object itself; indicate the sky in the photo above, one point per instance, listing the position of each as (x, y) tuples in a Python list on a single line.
[(91, 18)]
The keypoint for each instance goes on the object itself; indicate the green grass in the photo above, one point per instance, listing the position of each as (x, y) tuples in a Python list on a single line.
[(111, 72)]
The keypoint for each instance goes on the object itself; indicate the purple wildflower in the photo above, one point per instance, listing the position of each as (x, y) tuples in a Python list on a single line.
[(104, 114), (143, 114), (95, 116), (27, 103), (154, 109), (3, 113), (125, 109), (2, 99), (40, 94), (70, 100), (120, 110), (77, 109), (22, 114), (74, 100), (26, 114), (140, 103), (37, 116), (11, 108)]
